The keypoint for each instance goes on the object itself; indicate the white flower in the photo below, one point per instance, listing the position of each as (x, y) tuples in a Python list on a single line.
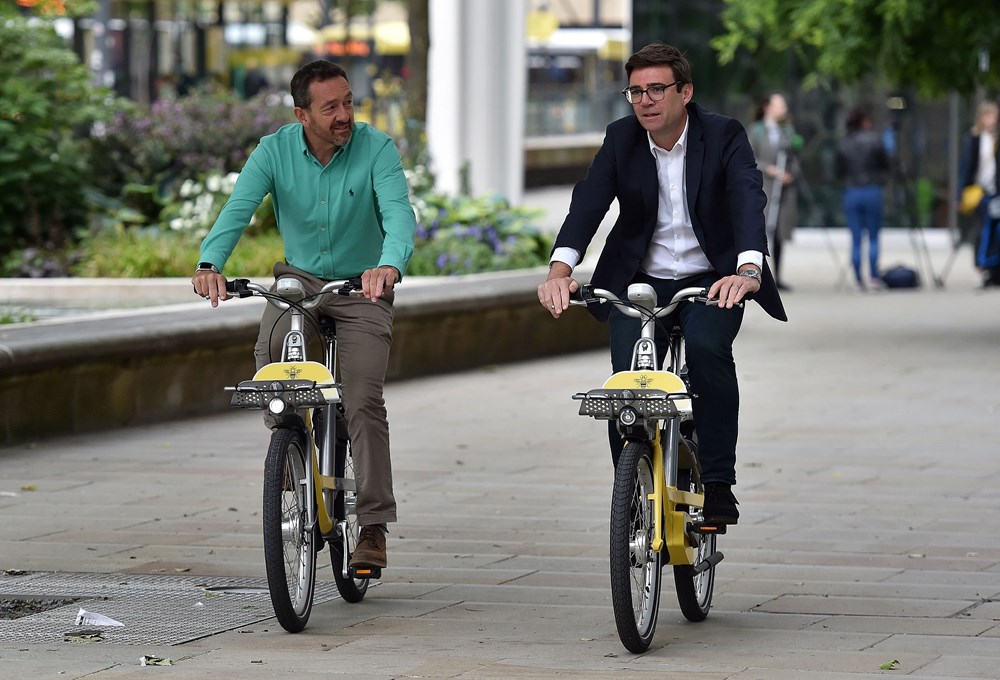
[(177, 224), (214, 183), (186, 188)]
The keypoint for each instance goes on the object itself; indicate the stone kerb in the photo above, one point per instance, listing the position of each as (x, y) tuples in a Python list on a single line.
[(113, 369)]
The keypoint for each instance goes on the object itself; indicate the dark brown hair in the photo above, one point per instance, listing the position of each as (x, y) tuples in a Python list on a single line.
[(857, 119), (314, 71), (660, 54)]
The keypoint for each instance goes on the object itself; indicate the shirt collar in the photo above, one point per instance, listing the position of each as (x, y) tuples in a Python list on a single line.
[(681, 141)]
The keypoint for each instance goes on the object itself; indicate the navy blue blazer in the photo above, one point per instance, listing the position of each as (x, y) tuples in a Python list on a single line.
[(725, 199)]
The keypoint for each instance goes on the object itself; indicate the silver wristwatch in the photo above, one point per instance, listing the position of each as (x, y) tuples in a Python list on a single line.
[(751, 273)]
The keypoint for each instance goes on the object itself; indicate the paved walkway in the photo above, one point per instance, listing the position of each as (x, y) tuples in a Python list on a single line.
[(868, 476)]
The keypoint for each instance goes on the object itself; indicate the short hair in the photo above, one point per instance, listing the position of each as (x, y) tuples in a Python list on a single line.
[(857, 119), (660, 54), (984, 106), (315, 71)]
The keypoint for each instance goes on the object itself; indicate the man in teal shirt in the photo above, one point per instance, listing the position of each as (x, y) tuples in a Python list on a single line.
[(343, 210)]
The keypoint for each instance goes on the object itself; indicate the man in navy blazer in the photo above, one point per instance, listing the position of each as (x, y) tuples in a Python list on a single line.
[(691, 213)]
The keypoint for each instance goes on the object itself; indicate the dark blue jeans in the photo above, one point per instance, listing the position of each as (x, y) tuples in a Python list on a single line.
[(863, 209), (709, 333)]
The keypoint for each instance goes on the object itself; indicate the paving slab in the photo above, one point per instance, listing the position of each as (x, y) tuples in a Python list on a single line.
[(868, 480)]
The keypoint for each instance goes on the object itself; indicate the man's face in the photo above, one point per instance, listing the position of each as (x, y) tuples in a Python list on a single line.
[(664, 119), (330, 117)]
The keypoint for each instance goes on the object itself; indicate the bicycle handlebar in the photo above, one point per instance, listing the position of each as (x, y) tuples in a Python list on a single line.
[(242, 288), (587, 294)]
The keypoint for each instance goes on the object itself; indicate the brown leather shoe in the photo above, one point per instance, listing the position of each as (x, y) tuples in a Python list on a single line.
[(371, 548)]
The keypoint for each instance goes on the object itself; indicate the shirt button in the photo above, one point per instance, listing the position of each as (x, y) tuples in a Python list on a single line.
[(322, 202)]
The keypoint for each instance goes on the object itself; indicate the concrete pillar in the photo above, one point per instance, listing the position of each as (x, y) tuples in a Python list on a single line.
[(476, 95)]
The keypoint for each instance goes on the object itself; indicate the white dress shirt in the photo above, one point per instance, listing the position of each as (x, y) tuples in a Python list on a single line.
[(986, 170), (674, 251)]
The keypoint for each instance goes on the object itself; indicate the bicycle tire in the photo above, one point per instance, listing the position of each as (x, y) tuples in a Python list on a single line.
[(289, 550), (694, 590), (345, 508), (635, 567)]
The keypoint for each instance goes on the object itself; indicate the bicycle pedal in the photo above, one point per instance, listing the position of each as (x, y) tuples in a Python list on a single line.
[(707, 528), (366, 572)]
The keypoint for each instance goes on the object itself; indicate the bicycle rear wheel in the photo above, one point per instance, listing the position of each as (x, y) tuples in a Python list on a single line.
[(635, 567), (289, 549), (694, 589), (345, 509)]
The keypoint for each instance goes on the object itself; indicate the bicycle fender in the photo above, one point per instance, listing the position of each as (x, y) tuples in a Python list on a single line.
[(301, 370), (658, 380)]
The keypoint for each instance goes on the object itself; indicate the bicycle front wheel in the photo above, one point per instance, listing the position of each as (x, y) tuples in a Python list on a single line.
[(694, 589), (635, 567), (345, 514), (289, 548)]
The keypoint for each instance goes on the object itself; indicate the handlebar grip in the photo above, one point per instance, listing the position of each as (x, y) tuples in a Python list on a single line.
[(583, 294), (238, 287)]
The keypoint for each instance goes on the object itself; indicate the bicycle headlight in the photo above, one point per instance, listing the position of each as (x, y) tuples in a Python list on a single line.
[(276, 405), (627, 416)]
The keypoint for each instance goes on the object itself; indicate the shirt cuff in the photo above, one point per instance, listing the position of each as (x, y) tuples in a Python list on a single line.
[(568, 256), (748, 257)]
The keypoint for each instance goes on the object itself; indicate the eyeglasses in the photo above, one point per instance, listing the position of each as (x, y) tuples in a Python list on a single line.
[(655, 92)]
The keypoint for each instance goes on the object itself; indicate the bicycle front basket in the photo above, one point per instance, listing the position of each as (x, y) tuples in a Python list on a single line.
[(257, 394)]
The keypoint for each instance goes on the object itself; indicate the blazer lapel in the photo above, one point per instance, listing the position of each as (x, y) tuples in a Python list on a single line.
[(693, 162)]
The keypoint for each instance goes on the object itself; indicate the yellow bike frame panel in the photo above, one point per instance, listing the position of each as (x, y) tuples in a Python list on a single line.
[(322, 512), (659, 492), (301, 370), (651, 380)]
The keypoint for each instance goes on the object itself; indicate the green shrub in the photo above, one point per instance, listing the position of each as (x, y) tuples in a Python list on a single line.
[(463, 235), (144, 156), (140, 252), (47, 107)]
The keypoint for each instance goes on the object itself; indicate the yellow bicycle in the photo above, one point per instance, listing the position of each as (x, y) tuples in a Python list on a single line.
[(658, 497), (309, 488)]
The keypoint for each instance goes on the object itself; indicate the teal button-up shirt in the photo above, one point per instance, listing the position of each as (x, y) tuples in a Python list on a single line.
[(335, 221)]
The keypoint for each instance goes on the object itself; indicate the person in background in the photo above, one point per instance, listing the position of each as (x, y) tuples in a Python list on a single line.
[(861, 165), (773, 140), (691, 214), (254, 80), (343, 210), (980, 161)]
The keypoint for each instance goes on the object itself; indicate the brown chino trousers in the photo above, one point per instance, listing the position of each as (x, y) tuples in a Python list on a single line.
[(364, 334)]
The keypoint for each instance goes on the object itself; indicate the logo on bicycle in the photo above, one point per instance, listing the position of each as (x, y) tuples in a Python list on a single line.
[(643, 381), (292, 372)]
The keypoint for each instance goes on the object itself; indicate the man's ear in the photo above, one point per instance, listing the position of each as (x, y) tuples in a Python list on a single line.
[(687, 91), (301, 114)]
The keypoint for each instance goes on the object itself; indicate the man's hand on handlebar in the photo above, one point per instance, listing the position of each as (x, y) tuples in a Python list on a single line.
[(731, 290), (554, 294), (210, 285), (375, 282)]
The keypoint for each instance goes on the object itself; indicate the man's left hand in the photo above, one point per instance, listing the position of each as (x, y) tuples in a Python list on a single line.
[(375, 282), (731, 290)]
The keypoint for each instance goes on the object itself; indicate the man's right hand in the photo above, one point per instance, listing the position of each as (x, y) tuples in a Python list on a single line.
[(210, 285), (554, 294)]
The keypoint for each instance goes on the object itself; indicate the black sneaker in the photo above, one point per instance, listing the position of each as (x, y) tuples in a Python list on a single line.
[(720, 504)]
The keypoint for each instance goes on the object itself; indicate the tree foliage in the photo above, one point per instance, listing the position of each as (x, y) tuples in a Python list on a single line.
[(47, 107), (936, 46)]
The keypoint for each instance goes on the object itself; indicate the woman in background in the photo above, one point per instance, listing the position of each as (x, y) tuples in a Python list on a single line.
[(772, 138)]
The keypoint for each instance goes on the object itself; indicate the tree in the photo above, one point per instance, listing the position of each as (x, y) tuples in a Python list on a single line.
[(416, 60), (47, 107), (935, 46)]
